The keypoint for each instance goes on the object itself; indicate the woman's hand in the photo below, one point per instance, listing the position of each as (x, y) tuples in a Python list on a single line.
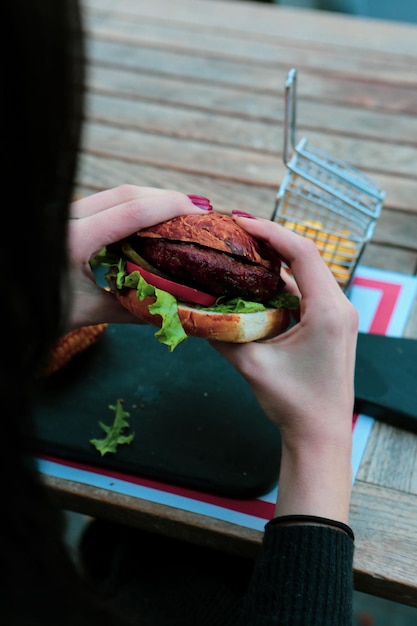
[(303, 380), (104, 218)]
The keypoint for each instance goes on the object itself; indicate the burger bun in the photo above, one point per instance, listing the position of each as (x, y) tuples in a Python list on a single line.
[(212, 325)]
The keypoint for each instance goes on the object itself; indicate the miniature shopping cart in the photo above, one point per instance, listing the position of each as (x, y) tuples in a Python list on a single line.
[(325, 199)]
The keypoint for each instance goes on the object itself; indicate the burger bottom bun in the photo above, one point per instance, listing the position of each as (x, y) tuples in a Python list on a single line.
[(228, 327)]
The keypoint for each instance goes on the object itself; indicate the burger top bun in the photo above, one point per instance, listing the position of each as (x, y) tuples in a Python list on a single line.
[(230, 327), (217, 231)]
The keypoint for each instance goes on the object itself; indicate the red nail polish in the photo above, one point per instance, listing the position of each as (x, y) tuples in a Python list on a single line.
[(238, 213), (199, 199), (201, 202)]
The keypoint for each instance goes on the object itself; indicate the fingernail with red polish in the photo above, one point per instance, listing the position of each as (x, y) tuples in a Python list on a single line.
[(238, 213), (201, 202)]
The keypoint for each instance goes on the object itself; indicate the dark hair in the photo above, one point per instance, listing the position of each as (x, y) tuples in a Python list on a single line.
[(41, 108)]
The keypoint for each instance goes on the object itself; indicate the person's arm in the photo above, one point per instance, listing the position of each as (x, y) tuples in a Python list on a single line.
[(302, 577), (104, 218), (303, 380)]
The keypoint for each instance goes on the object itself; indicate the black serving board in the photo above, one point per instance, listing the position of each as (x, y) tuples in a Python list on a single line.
[(195, 420), (386, 379)]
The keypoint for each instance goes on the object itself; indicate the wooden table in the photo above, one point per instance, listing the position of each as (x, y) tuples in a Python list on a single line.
[(189, 95)]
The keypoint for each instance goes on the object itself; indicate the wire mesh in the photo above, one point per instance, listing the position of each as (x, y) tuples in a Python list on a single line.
[(325, 199)]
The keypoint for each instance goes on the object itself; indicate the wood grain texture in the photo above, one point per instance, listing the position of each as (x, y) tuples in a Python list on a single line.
[(386, 542), (390, 459), (152, 516)]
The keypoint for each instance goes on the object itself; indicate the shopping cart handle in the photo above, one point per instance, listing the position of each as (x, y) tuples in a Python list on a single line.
[(386, 379)]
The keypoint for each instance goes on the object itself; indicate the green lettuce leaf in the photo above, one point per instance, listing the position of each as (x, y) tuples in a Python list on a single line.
[(114, 433), (171, 332), (284, 300)]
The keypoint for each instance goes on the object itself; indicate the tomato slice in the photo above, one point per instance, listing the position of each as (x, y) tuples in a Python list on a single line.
[(189, 294)]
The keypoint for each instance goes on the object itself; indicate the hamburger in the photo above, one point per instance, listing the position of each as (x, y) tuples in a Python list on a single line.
[(202, 276)]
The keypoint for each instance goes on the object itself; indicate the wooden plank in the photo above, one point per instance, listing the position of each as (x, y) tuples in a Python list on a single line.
[(167, 104), (100, 172), (247, 84), (390, 459), (233, 164), (97, 172), (329, 30), (385, 561), (396, 229), (400, 192), (390, 258), (278, 52), (158, 518), (187, 155)]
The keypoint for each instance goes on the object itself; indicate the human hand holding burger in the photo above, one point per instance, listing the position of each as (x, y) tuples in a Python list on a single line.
[(101, 219), (304, 381)]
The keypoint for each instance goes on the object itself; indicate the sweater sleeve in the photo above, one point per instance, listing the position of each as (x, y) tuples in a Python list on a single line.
[(303, 577)]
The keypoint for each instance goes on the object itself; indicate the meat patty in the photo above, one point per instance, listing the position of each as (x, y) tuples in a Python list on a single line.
[(209, 270)]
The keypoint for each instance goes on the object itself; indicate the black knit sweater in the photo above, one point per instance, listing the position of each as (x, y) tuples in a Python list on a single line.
[(303, 577)]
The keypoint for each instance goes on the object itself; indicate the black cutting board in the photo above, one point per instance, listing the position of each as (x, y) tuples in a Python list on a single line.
[(386, 379), (195, 420)]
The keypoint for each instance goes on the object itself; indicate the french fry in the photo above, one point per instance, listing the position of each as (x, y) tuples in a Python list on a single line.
[(337, 250), (73, 343)]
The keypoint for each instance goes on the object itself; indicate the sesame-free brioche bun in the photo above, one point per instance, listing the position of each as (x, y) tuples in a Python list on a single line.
[(206, 324)]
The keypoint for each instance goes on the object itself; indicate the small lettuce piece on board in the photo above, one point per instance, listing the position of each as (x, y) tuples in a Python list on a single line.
[(114, 433)]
